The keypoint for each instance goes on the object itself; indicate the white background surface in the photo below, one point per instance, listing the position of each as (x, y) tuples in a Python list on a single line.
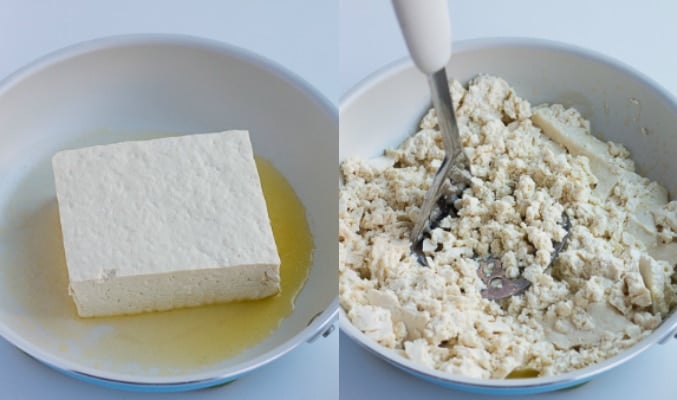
[(641, 34), (301, 35)]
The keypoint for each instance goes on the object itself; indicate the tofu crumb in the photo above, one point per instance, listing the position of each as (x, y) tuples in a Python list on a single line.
[(611, 286)]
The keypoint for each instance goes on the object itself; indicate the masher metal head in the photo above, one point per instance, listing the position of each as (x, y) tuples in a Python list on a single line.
[(454, 165)]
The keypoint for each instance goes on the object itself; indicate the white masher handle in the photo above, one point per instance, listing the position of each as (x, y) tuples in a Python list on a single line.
[(427, 32)]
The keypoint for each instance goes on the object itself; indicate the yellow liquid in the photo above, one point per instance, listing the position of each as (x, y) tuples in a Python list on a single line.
[(164, 342), (203, 335), (523, 373)]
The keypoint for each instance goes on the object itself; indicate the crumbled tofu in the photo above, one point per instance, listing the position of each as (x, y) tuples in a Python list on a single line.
[(166, 223), (607, 290)]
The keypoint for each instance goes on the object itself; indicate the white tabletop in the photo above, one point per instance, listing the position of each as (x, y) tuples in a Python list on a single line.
[(639, 34), (301, 35)]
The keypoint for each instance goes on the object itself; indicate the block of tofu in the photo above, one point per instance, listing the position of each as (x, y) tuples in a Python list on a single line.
[(165, 223)]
